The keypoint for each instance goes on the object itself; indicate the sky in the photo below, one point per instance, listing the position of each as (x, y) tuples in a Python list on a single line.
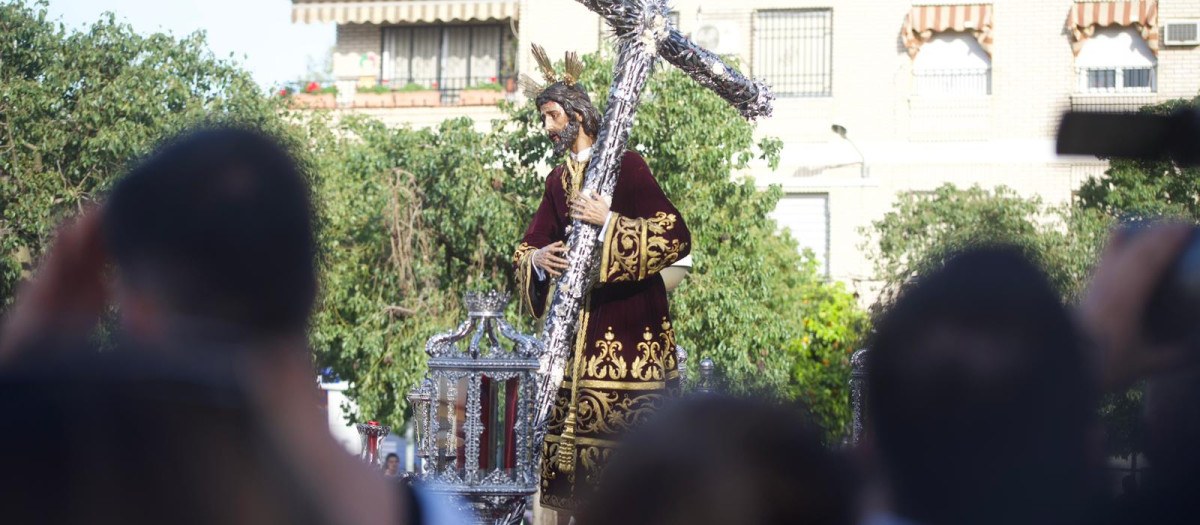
[(259, 33)]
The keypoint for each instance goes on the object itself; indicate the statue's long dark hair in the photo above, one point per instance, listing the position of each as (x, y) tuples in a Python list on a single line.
[(575, 101)]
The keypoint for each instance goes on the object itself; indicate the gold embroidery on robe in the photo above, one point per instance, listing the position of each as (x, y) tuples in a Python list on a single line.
[(614, 413), (559, 412), (668, 339), (637, 248), (572, 178), (549, 449), (607, 364), (649, 364), (594, 460)]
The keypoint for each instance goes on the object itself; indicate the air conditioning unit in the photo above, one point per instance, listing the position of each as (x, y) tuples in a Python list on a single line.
[(722, 38), (1181, 33)]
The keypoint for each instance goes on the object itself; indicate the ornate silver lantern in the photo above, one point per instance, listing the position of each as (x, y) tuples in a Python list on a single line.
[(419, 400), (858, 393), (371, 435), (477, 443), (705, 384)]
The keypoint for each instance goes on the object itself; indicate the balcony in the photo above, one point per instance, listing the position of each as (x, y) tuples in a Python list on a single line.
[(1111, 103), (401, 93), (974, 82)]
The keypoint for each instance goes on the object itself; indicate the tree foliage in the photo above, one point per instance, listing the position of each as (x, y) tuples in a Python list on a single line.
[(1146, 187), (832, 327), (410, 219), (742, 304), (923, 229), (414, 218), (915, 237), (76, 107)]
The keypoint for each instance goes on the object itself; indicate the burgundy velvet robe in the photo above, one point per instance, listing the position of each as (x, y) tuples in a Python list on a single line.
[(626, 340)]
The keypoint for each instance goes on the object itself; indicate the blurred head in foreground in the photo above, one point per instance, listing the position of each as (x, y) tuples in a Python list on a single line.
[(1172, 418), (720, 461), (214, 230), (113, 440), (980, 398)]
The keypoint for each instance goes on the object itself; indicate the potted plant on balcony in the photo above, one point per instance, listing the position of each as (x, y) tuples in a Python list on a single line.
[(373, 97), (313, 97), (415, 95), (484, 94)]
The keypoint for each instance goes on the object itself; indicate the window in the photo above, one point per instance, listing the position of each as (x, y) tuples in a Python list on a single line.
[(1116, 60), (806, 215), (952, 63), (447, 58), (793, 51)]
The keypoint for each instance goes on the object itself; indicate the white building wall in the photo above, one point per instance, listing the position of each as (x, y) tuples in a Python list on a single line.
[(909, 142), (337, 407), (357, 51), (1178, 67)]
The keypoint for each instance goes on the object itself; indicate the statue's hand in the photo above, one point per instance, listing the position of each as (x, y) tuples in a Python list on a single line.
[(549, 258), (590, 208)]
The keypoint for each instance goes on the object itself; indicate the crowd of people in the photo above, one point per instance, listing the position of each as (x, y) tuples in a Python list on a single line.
[(982, 385)]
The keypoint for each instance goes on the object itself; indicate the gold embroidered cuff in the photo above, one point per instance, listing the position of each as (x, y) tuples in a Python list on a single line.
[(525, 280)]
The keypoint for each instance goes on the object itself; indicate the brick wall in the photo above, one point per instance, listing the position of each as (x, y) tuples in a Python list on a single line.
[(1179, 67), (357, 52)]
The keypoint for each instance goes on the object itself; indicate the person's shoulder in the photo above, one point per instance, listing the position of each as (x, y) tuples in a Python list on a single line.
[(633, 161), (633, 156), (554, 178)]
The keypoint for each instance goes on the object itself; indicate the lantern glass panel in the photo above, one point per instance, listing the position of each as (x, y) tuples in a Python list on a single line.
[(445, 415), (459, 424), (498, 449)]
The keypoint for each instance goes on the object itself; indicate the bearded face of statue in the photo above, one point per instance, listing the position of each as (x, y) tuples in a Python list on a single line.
[(562, 129)]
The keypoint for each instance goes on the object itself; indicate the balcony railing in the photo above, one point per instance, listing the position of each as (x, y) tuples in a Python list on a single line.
[(952, 82), (405, 92), (1111, 103), (452, 87)]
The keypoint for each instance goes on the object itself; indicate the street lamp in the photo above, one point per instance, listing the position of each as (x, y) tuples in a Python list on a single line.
[(841, 132)]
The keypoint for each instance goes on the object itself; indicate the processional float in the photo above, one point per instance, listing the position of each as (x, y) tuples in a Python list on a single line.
[(510, 393)]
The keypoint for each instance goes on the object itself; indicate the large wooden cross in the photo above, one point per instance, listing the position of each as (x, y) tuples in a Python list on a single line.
[(643, 33)]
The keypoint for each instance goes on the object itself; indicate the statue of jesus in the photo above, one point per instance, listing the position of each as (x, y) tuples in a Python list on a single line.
[(623, 363)]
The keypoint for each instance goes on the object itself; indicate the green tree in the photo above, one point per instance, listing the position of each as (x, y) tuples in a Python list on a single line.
[(414, 218), (418, 217), (77, 107), (1146, 187), (1132, 188), (831, 329), (742, 303), (916, 236), (408, 219), (922, 229)]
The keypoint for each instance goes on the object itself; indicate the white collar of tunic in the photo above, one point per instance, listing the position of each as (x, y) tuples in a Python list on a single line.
[(583, 156)]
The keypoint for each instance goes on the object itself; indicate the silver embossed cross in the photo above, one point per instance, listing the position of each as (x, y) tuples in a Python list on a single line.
[(643, 34)]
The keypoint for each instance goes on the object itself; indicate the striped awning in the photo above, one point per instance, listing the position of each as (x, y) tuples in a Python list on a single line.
[(1087, 16), (403, 11), (924, 21)]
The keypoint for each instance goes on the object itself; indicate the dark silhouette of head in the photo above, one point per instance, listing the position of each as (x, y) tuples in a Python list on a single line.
[(1172, 416), (581, 114), (721, 461), (980, 398), (217, 226), (167, 436)]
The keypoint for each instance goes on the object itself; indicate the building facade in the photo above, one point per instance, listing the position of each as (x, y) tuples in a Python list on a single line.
[(875, 97)]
